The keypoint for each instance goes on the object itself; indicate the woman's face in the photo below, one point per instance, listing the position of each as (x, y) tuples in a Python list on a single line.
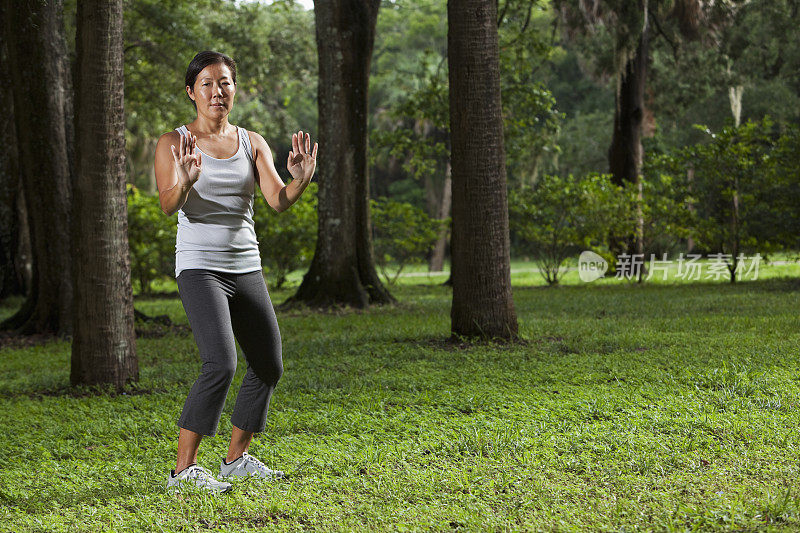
[(213, 90)]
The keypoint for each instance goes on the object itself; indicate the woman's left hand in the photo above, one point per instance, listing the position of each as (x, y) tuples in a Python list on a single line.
[(302, 160)]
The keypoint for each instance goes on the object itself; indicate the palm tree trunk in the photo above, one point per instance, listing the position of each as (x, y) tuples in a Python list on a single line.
[(342, 271), (482, 302), (104, 343)]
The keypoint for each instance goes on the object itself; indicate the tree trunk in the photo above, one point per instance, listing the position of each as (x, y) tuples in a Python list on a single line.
[(104, 343), (342, 271), (690, 206), (11, 280), (735, 97), (38, 64), (23, 262), (482, 301), (626, 153), (437, 258), (734, 220)]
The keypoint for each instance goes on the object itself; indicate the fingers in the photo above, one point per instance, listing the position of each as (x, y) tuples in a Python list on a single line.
[(174, 153), (301, 148), (182, 150)]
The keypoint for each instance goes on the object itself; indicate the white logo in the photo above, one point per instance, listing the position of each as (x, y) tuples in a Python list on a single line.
[(591, 266)]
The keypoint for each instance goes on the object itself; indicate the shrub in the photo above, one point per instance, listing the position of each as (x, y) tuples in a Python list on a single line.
[(151, 239), (402, 234), (563, 215), (287, 240), (743, 192)]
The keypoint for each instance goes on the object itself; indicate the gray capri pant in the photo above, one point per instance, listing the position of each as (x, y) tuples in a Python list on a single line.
[(222, 306)]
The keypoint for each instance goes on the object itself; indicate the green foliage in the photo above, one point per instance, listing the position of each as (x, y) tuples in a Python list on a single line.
[(783, 175), (408, 33), (530, 119), (565, 215), (732, 193), (402, 234), (763, 51), (667, 210), (421, 138), (151, 238), (412, 126), (583, 143), (739, 190), (415, 132), (287, 240)]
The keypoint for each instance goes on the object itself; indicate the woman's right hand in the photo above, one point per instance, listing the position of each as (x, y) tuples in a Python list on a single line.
[(187, 161)]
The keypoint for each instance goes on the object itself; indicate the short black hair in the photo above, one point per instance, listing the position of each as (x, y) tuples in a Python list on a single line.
[(201, 61)]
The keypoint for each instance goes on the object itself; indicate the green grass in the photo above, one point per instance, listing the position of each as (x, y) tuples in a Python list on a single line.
[(667, 406)]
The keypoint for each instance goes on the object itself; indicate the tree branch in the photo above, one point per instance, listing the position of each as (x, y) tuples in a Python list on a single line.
[(663, 33), (503, 13)]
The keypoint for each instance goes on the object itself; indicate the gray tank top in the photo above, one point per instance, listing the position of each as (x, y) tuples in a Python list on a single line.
[(215, 224)]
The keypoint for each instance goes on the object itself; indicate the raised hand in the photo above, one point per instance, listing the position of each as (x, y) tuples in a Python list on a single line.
[(187, 160), (302, 160)]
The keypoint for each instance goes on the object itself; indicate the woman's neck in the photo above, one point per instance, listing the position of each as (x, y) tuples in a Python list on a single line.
[(210, 126)]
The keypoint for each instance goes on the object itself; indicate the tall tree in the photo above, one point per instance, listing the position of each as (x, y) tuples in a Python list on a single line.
[(631, 26), (11, 279), (104, 344), (482, 301), (39, 83), (343, 269)]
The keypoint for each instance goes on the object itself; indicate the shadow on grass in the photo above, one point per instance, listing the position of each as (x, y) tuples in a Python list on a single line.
[(80, 391)]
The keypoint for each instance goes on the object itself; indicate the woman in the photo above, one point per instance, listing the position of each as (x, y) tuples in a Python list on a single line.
[(206, 171)]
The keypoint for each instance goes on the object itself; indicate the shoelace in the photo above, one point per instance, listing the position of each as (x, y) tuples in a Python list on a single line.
[(258, 464), (199, 472)]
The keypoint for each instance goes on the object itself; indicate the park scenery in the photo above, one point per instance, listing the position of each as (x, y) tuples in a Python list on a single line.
[(545, 276)]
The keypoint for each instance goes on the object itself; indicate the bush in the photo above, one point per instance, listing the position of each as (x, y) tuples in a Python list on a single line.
[(151, 239), (743, 192), (287, 240), (564, 215), (667, 209), (401, 234)]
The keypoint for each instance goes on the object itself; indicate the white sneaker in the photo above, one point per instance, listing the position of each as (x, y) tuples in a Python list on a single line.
[(198, 476), (245, 466)]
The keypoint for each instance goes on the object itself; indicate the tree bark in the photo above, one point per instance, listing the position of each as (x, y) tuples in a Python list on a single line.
[(104, 343), (23, 262), (342, 271), (625, 154), (38, 65), (11, 280), (483, 305)]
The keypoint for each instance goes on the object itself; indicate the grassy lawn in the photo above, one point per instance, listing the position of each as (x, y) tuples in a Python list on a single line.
[(665, 406)]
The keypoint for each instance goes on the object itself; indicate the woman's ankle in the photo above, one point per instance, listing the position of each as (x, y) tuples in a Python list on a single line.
[(180, 467)]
